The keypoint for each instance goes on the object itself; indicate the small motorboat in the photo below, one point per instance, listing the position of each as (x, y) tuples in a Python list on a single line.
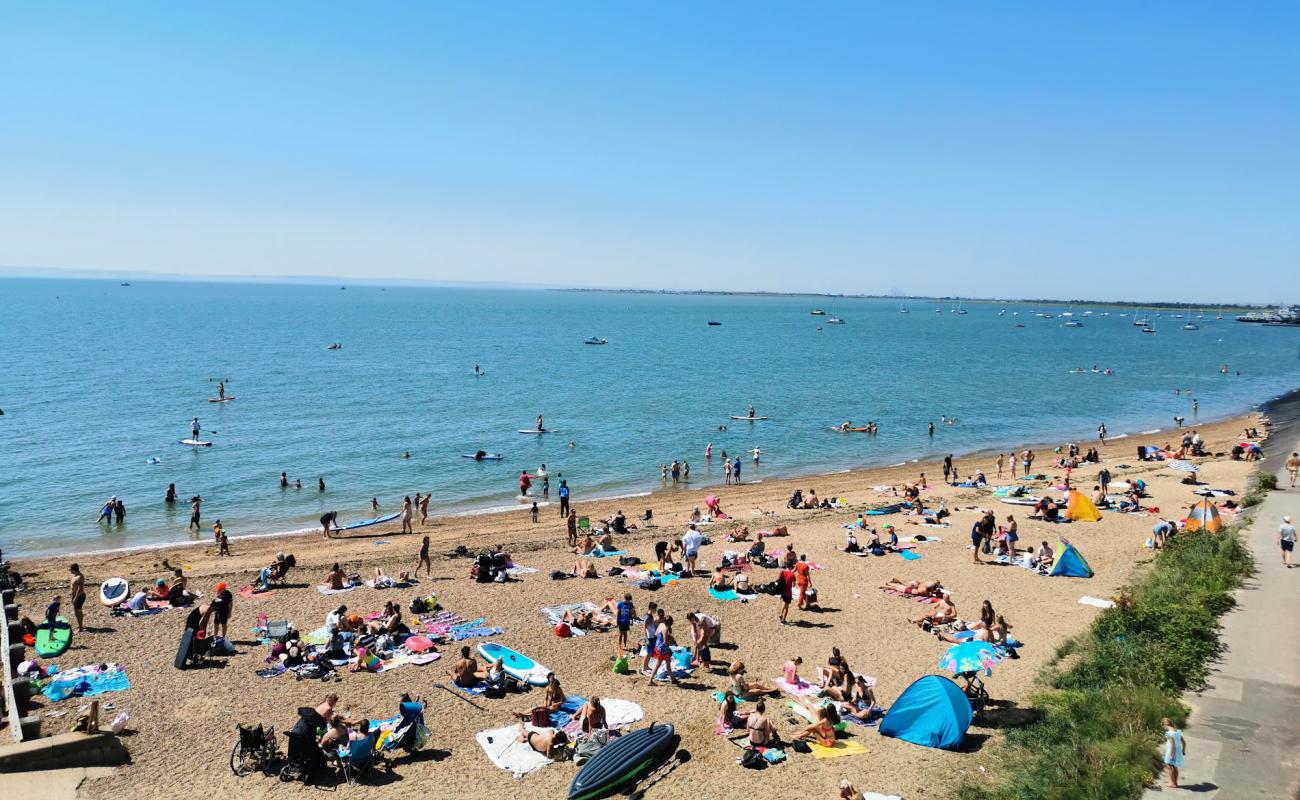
[(834, 321), (1073, 323), (595, 340), (1191, 326), (817, 312), (714, 323)]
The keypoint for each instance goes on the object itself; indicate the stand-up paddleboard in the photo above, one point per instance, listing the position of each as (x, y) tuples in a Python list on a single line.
[(517, 664), (183, 651), (366, 523), (114, 591), (893, 508), (52, 643), (1021, 501), (622, 761), (221, 399), (751, 419), (535, 431), (488, 457), (195, 443), (842, 429)]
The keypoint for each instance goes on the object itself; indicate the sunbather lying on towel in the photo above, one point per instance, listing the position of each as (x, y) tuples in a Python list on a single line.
[(590, 620), (544, 742), (745, 688), (941, 613), (585, 568), (915, 588)]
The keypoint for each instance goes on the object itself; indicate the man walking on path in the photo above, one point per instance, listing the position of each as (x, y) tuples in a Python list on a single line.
[(1286, 538)]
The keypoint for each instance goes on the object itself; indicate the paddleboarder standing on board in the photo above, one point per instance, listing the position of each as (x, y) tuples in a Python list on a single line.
[(540, 427), (221, 390), (195, 429)]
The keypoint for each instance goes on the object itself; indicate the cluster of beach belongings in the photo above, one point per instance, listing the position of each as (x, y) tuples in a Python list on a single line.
[(1067, 562), (87, 681), (609, 756), (115, 594)]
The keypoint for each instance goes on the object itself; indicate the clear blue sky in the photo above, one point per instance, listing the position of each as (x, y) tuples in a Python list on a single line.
[(1115, 150)]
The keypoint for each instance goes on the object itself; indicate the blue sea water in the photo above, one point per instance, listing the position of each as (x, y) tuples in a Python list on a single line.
[(97, 378)]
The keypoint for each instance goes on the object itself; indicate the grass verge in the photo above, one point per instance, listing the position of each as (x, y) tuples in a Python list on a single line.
[(1094, 733)]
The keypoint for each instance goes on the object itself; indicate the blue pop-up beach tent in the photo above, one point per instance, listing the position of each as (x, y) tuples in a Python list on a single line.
[(1067, 561), (932, 712)]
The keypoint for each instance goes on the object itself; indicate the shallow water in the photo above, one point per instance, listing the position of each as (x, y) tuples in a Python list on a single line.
[(99, 378)]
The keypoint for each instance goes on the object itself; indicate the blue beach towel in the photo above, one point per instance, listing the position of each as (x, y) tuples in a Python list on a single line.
[(909, 555), (723, 594), (598, 553), (568, 708), (87, 685)]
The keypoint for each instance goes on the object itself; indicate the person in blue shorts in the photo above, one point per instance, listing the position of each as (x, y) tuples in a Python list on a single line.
[(735, 470), (626, 612)]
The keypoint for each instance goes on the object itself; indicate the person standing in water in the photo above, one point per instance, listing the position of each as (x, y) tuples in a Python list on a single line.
[(931, 430), (196, 502), (756, 453), (171, 494), (77, 592), (195, 429), (708, 451), (284, 480), (406, 515), (735, 471)]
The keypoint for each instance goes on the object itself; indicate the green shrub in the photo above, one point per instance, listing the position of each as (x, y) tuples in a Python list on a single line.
[(1096, 732), (1264, 483)]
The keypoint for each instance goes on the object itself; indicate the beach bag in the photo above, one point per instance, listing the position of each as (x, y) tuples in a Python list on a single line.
[(621, 666), (615, 571), (649, 584), (984, 548), (539, 717), (752, 759), (556, 575), (800, 746), (629, 561), (119, 722)]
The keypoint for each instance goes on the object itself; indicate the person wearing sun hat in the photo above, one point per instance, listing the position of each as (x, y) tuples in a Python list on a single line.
[(221, 605), (891, 544)]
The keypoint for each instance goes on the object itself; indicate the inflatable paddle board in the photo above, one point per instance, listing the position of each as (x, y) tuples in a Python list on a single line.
[(195, 443), (114, 591), (517, 664), (183, 651), (220, 399), (366, 523), (535, 431), (51, 643), (845, 430), (622, 761), (1021, 501), (751, 419), (488, 457)]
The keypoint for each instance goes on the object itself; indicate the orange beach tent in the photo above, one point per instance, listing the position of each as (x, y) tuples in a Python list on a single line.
[(1080, 508), (1204, 516)]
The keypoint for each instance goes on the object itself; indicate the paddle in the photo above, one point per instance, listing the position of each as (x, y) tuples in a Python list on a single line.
[(461, 695)]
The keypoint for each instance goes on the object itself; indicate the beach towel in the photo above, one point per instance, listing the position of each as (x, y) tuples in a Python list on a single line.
[(502, 749), (926, 540), (562, 716), (723, 594), (1097, 602), (271, 672), (879, 796), (248, 594), (555, 614), (87, 681), (328, 590), (842, 747), (460, 634), (480, 687), (515, 571), (318, 636), (909, 555), (803, 689), (598, 553), (420, 659), (393, 585)]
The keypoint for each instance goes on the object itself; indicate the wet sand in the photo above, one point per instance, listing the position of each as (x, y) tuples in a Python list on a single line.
[(185, 721)]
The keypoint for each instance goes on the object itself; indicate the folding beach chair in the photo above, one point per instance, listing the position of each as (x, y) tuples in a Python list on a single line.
[(360, 759)]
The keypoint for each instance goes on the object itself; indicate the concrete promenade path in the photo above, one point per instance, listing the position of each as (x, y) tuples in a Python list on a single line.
[(1243, 737)]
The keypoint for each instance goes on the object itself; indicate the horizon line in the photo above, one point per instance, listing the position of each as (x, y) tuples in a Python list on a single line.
[(69, 273)]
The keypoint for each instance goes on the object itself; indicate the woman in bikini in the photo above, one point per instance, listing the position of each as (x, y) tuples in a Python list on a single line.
[(744, 688)]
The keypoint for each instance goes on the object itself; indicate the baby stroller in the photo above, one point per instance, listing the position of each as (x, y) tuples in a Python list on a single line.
[(256, 749), (305, 754), (796, 499)]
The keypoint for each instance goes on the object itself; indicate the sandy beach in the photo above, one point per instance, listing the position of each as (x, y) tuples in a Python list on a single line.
[(184, 722)]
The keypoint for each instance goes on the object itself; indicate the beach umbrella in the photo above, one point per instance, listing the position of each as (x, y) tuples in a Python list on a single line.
[(970, 657), (1204, 516), (1183, 466)]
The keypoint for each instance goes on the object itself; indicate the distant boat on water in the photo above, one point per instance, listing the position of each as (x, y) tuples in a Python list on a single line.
[(834, 321), (817, 312), (1072, 323), (714, 323), (595, 340), (1191, 326)]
